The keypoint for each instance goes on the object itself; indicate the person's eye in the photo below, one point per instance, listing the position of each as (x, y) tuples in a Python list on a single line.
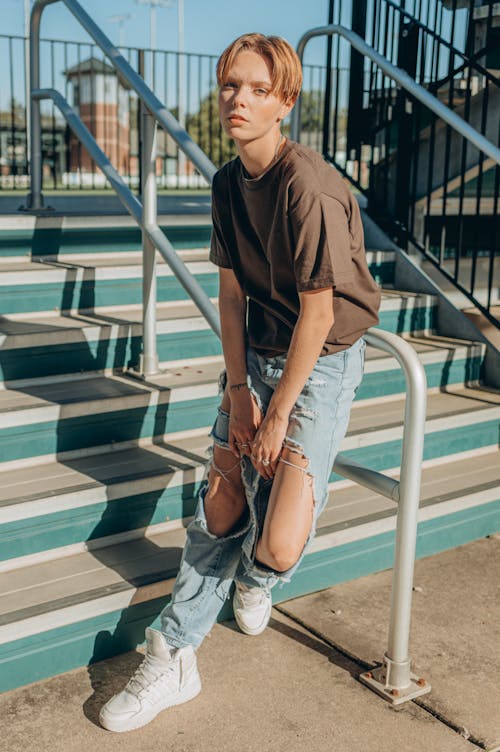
[(229, 85), (261, 92)]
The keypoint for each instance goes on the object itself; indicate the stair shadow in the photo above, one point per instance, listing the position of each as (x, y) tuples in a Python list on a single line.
[(96, 356)]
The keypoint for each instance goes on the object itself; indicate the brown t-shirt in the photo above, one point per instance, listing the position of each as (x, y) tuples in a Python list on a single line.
[(297, 227)]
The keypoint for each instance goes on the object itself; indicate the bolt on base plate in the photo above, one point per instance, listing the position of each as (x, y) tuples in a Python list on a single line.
[(376, 680)]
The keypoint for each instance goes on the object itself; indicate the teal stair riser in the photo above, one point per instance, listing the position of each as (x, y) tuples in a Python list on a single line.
[(59, 650), (116, 353), (99, 520), (89, 293), (105, 428), (384, 383), (70, 434), (53, 241), (92, 294), (123, 352)]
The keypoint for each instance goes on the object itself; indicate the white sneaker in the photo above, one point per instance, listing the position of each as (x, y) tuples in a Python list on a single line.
[(167, 676), (252, 608)]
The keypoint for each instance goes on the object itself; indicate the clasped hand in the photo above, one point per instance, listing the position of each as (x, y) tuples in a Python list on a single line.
[(258, 437)]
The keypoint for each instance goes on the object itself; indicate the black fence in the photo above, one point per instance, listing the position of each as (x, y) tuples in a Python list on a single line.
[(431, 189), (186, 83)]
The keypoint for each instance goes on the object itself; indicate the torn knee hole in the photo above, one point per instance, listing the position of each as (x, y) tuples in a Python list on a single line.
[(294, 457)]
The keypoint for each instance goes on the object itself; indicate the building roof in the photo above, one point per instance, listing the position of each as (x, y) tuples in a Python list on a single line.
[(91, 65)]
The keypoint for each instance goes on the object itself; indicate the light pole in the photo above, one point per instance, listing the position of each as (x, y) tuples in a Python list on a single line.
[(153, 5), (120, 20), (181, 67), (181, 73)]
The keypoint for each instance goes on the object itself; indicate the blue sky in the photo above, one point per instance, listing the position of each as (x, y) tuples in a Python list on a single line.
[(209, 24)]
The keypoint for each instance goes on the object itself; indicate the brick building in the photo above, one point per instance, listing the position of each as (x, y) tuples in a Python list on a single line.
[(101, 99)]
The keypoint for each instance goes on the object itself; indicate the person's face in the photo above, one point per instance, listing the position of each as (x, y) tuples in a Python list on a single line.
[(248, 110)]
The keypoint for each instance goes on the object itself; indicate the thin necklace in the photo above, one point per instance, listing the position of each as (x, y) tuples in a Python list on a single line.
[(275, 155)]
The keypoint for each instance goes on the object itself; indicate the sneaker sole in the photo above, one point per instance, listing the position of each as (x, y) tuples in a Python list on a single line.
[(110, 724)]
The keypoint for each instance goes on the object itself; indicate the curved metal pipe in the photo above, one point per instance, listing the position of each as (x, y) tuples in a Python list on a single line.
[(163, 117), (134, 208), (403, 79)]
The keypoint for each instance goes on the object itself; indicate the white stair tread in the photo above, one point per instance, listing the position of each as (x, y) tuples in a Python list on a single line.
[(152, 462), (47, 263), (92, 388), (58, 584), (118, 260)]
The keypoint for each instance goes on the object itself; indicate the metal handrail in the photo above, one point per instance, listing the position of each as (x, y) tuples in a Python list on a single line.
[(157, 109), (144, 214), (134, 206), (403, 79), (395, 681), (441, 40)]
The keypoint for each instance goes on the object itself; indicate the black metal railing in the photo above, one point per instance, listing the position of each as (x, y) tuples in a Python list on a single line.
[(185, 82), (434, 192)]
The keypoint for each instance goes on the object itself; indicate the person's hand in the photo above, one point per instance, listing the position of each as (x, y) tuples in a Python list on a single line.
[(244, 419), (268, 443)]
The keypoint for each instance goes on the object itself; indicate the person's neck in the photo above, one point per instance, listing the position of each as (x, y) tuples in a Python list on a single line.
[(257, 156)]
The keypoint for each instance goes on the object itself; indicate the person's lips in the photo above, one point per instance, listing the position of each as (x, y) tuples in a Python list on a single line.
[(237, 119)]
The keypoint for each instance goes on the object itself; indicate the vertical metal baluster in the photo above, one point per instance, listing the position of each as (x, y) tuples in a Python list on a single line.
[(328, 86), (337, 90), (149, 359), (495, 235), (67, 132), (53, 118), (210, 115), (13, 134)]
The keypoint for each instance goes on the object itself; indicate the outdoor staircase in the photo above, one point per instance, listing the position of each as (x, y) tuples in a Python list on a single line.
[(99, 470)]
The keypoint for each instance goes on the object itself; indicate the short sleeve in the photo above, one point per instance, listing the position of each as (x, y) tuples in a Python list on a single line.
[(322, 242), (218, 249)]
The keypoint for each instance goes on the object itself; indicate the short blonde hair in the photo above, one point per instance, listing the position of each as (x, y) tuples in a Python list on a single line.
[(286, 70)]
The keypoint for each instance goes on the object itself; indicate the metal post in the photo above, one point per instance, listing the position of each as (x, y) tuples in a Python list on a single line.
[(34, 200), (394, 680), (148, 364), (406, 529)]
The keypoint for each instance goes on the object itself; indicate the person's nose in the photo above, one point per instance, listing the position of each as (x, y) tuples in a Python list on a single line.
[(239, 99)]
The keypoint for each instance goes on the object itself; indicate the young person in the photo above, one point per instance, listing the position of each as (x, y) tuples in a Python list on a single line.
[(295, 298)]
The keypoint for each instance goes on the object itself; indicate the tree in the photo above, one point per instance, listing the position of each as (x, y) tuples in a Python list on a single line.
[(311, 109), (204, 127)]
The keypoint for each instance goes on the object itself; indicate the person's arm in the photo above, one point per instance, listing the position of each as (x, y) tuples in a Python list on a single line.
[(313, 324), (244, 416)]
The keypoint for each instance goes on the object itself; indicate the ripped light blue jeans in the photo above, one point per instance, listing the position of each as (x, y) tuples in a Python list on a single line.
[(318, 423)]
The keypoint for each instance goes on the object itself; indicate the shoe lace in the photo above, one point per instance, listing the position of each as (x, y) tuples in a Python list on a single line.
[(148, 673), (251, 596)]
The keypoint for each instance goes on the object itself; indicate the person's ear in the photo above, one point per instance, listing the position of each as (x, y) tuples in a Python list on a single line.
[(286, 107)]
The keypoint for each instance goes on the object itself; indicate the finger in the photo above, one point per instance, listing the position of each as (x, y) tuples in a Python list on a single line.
[(233, 446), (264, 470), (245, 446)]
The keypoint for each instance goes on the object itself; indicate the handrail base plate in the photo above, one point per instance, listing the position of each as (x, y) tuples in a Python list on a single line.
[(376, 679)]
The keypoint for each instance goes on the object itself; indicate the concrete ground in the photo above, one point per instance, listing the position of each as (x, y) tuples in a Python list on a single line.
[(295, 687)]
